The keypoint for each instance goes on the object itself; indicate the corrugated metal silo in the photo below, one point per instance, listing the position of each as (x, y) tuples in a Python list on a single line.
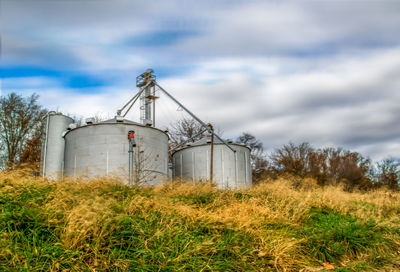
[(53, 148), (102, 149), (230, 169)]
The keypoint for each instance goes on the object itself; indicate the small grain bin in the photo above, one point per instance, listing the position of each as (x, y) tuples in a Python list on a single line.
[(230, 169), (99, 149), (52, 164)]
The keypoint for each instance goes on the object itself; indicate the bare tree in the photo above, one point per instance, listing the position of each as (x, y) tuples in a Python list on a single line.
[(144, 163), (3, 157), (327, 166), (98, 118), (183, 130), (293, 159), (347, 167), (388, 173), (21, 127)]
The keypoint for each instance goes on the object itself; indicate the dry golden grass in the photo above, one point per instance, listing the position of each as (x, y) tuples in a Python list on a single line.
[(88, 218), (278, 203)]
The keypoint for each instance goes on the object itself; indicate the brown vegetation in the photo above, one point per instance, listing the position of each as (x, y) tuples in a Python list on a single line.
[(288, 224)]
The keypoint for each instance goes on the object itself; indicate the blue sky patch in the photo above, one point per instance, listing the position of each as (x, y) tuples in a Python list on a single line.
[(83, 81), (28, 71), (66, 78)]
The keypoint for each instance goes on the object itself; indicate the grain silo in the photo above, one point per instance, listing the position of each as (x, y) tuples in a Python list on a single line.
[(99, 149), (204, 160), (138, 152), (52, 164)]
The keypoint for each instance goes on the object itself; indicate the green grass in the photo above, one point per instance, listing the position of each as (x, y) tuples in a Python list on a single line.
[(190, 247), (331, 235)]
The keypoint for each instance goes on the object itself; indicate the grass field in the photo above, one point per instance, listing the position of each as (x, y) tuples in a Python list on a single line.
[(102, 225)]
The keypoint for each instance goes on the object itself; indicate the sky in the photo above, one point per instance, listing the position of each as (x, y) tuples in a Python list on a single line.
[(323, 72)]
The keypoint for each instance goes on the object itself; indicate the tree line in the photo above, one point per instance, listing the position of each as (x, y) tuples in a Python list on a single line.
[(328, 166), (22, 122)]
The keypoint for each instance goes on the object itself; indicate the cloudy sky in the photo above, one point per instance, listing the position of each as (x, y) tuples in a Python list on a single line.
[(325, 72)]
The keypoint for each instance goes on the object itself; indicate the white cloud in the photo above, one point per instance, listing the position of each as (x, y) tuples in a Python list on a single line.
[(353, 102), (323, 72)]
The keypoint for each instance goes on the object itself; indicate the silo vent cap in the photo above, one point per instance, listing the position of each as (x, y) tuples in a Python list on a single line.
[(89, 121), (119, 119)]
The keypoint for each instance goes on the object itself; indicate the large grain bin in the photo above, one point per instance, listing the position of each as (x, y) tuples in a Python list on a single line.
[(230, 169), (100, 149), (53, 146)]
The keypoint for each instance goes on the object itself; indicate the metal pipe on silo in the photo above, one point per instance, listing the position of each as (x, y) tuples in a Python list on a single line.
[(130, 165), (132, 144), (134, 100)]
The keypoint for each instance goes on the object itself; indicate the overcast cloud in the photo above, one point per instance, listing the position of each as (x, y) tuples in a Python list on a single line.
[(325, 72)]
